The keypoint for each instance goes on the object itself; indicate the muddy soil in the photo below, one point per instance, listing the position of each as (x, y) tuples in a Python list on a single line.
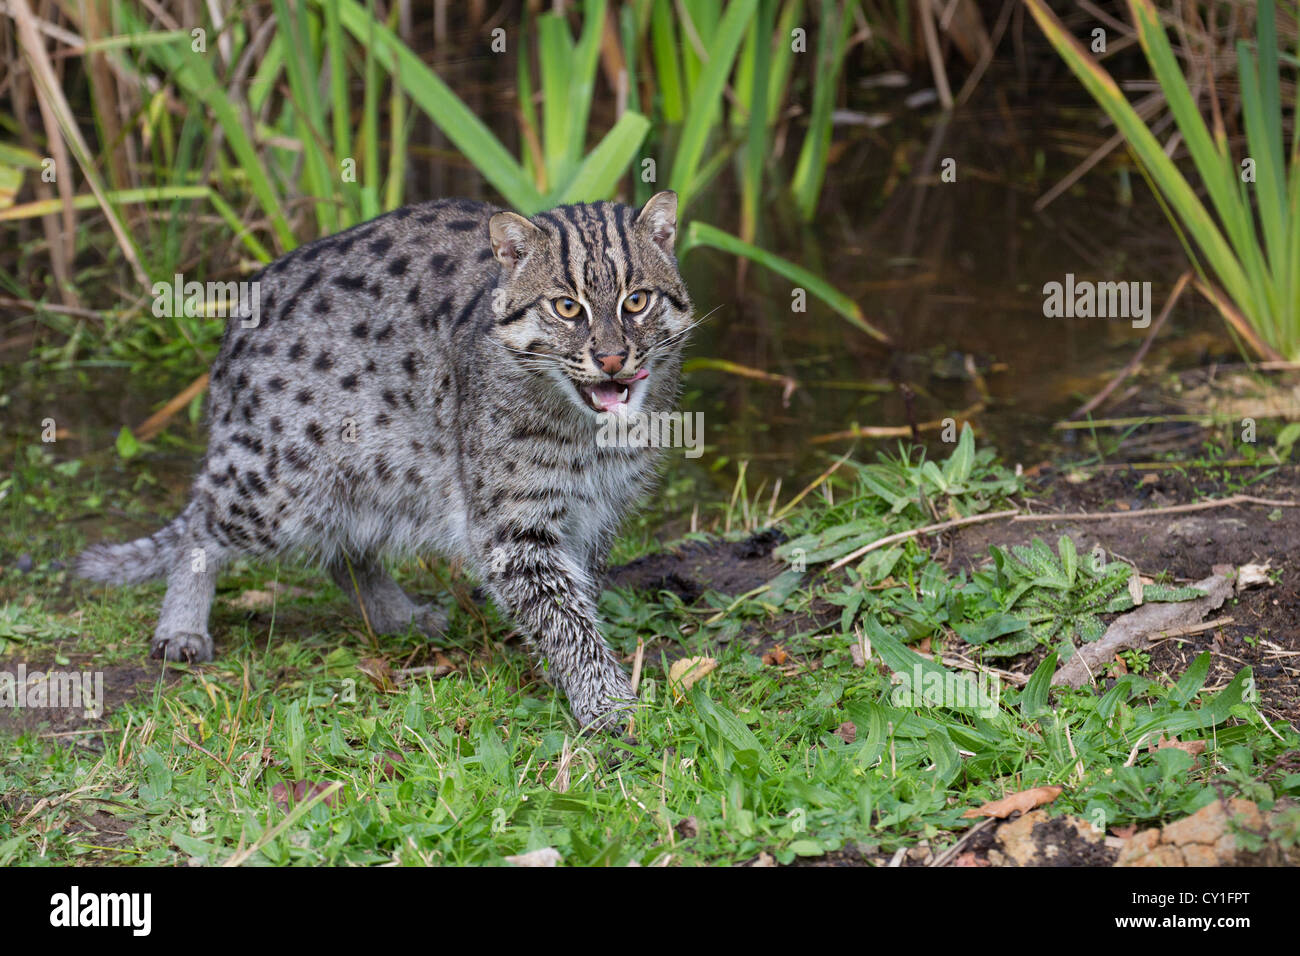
[(121, 683), (688, 571)]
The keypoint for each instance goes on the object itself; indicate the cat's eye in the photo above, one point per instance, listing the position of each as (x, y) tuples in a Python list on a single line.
[(636, 302), (566, 308)]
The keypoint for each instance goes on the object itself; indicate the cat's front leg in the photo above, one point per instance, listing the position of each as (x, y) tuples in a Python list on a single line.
[(549, 594)]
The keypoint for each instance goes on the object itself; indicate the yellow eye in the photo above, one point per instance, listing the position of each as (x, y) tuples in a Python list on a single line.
[(566, 308), (636, 302)]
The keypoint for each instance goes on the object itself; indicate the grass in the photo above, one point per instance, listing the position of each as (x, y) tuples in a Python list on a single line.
[(484, 763)]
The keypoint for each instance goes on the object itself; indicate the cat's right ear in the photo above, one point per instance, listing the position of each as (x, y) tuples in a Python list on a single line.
[(511, 235)]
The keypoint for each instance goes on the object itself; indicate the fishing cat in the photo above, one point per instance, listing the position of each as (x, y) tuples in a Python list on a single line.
[(434, 379)]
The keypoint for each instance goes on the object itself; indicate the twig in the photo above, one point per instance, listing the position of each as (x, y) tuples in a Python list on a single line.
[(152, 425), (1233, 316), (916, 532), (203, 750), (935, 55), (637, 663), (1195, 628), (437, 670), (1140, 354), (32, 306), (1020, 680), (943, 858), (817, 481), (896, 431), (1149, 512)]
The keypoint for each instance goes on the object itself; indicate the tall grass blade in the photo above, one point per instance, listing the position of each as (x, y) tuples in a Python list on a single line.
[(447, 111), (706, 99), (598, 175), (703, 234)]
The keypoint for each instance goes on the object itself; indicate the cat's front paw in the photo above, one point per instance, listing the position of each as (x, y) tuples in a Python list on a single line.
[(606, 709), (181, 646)]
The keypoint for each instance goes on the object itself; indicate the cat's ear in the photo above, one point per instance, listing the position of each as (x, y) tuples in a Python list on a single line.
[(511, 234), (658, 217)]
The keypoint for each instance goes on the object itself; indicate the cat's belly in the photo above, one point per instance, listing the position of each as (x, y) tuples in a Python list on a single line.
[(377, 525)]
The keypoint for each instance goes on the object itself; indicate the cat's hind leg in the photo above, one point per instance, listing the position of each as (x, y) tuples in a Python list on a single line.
[(182, 631), (381, 601)]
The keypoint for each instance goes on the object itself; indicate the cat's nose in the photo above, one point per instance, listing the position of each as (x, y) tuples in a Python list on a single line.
[(611, 362)]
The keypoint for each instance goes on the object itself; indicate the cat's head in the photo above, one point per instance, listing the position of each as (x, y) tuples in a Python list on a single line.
[(590, 298)]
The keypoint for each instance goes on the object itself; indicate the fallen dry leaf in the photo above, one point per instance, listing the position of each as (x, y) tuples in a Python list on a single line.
[(379, 673), (546, 856), (686, 671), (288, 795), (1021, 802), (388, 764), (1193, 747), (776, 656)]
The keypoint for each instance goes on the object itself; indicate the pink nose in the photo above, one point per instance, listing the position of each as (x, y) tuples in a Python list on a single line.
[(611, 363)]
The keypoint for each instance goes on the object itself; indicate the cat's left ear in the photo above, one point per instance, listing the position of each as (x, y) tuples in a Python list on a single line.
[(511, 234), (658, 217)]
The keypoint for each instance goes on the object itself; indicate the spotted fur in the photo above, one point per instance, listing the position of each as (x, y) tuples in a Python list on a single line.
[(412, 387)]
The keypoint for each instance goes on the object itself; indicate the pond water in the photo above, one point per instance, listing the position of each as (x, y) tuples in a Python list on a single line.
[(954, 273)]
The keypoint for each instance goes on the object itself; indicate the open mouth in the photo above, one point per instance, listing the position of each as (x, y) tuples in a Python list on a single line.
[(613, 394)]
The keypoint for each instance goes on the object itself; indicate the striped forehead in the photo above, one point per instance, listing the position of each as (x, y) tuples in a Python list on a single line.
[(592, 244)]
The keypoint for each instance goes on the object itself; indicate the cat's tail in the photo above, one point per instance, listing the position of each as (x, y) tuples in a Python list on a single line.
[(135, 561)]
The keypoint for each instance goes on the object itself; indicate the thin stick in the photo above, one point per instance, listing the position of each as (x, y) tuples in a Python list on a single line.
[(961, 663), (1232, 315), (916, 532), (152, 425), (1140, 354), (1149, 512), (57, 309), (943, 858), (896, 431), (935, 56), (1195, 628), (817, 481), (637, 663)]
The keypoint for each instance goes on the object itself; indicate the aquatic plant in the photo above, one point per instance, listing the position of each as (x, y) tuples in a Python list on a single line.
[(1248, 236)]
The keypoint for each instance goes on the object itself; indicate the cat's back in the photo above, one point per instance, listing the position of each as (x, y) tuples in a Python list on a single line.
[(363, 313), (341, 382), (431, 254)]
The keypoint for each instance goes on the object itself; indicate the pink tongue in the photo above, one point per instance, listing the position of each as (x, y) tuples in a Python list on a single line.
[(608, 394)]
